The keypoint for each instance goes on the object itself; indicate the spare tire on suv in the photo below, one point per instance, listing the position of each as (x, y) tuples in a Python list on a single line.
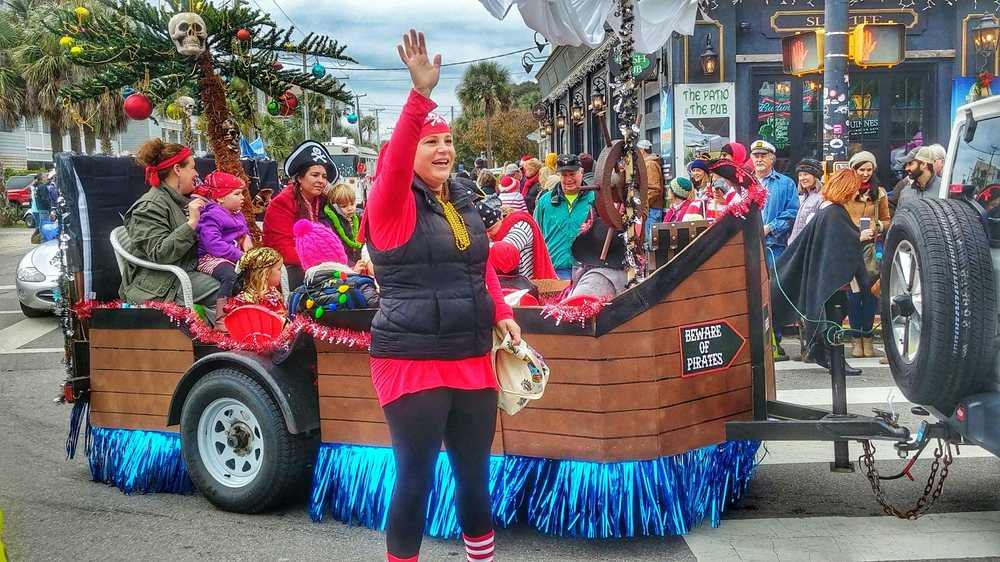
[(938, 301)]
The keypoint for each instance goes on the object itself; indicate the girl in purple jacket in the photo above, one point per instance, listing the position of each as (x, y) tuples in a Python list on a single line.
[(223, 234)]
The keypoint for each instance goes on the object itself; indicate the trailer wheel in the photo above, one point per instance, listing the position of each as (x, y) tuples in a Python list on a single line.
[(237, 447), (938, 302)]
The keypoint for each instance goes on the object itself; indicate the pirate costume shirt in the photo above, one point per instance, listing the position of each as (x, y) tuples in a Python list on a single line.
[(390, 225), (283, 211)]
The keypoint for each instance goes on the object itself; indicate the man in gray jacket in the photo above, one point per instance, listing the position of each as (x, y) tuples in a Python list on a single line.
[(926, 183)]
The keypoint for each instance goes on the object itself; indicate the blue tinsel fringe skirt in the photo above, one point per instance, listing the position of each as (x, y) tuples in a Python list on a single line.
[(353, 483)]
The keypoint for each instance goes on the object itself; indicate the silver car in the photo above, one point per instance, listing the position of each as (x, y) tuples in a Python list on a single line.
[(38, 279)]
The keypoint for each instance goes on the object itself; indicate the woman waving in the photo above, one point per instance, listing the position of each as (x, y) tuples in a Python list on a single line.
[(432, 335)]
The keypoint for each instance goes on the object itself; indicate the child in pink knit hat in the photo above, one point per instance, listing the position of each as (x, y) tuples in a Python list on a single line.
[(317, 244)]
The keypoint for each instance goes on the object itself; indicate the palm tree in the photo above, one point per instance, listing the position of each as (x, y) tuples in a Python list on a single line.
[(485, 90), (45, 69), (368, 127), (106, 119), (12, 89)]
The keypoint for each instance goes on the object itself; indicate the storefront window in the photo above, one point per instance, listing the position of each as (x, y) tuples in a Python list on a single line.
[(863, 119), (907, 118), (774, 100), (812, 119)]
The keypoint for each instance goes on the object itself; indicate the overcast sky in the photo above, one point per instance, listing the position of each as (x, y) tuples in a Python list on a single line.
[(458, 29)]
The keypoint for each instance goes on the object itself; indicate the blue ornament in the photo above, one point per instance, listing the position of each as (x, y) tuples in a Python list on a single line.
[(352, 118), (127, 91), (319, 70)]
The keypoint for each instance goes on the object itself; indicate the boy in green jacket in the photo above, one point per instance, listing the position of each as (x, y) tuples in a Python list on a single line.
[(562, 211)]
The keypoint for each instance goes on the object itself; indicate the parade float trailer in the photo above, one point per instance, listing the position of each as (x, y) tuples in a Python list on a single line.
[(629, 438), (650, 425)]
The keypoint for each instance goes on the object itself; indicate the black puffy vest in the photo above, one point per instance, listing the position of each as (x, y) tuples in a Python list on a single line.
[(434, 303)]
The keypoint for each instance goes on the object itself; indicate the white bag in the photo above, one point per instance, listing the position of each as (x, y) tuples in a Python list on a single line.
[(521, 373)]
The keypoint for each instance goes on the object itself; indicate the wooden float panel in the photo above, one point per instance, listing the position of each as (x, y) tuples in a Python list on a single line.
[(348, 409), (133, 375), (614, 397)]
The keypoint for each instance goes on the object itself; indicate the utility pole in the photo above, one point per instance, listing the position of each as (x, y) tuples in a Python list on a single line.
[(378, 131), (357, 111), (836, 94), (452, 115), (305, 101), (836, 88)]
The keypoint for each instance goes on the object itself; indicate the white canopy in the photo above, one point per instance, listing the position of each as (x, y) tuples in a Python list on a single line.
[(581, 22)]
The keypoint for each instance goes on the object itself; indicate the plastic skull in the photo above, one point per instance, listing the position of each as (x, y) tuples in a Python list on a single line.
[(189, 33), (187, 104)]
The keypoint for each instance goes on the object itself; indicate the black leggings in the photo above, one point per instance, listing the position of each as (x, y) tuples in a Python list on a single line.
[(466, 421), (225, 273)]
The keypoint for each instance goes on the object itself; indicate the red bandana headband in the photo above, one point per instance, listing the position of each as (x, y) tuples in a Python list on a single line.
[(434, 125), (152, 172)]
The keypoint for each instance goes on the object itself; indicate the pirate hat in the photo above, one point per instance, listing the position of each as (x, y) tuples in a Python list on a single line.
[(307, 154)]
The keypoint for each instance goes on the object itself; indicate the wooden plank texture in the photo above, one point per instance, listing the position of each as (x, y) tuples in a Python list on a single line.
[(140, 382), (353, 363), (126, 403), (703, 283), (140, 339), (130, 421), (373, 433), (141, 360)]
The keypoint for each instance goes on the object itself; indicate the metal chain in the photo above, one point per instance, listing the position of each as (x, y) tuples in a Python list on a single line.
[(932, 491)]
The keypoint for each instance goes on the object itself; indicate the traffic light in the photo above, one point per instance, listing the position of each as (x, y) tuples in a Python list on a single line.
[(878, 44), (803, 53)]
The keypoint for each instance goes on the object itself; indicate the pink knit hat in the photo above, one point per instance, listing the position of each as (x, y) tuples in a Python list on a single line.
[(317, 244)]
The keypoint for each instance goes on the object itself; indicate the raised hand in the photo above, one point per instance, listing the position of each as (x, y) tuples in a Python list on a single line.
[(424, 73)]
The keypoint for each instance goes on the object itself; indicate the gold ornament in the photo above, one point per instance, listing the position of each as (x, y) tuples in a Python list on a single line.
[(66, 41), (76, 51), (81, 13)]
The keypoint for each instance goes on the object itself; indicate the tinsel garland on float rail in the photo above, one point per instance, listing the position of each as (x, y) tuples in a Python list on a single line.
[(665, 496)]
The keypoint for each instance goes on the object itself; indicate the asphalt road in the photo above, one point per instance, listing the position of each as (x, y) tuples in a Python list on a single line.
[(796, 508)]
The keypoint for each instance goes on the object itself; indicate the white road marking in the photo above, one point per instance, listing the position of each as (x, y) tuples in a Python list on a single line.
[(938, 535), (25, 331), (33, 350), (11, 312), (7, 287), (859, 395)]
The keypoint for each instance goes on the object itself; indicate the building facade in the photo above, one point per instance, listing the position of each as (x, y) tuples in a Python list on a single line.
[(29, 145), (890, 110)]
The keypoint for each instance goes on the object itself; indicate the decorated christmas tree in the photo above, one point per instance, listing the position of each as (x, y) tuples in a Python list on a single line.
[(157, 55)]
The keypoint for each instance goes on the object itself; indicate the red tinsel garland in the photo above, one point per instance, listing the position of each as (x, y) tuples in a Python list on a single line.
[(205, 334), (574, 312), (756, 194)]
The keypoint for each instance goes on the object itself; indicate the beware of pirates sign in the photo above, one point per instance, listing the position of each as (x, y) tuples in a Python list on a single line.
[(708, 347)]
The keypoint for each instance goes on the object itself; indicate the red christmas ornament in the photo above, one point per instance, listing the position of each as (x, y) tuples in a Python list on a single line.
[(243, 35), (277, 66), (289, 99), (138, 107)]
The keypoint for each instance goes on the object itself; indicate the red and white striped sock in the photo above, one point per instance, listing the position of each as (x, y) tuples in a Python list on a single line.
[(391, 558), (479, 549)]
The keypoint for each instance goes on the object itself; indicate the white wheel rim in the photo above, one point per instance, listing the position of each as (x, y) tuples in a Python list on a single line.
[(230, 442), (906, 301)]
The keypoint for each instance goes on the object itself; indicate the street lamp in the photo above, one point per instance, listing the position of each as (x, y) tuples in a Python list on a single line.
[(578, 110), (984, 35), (709, 58), (560, 116), (598, 87)]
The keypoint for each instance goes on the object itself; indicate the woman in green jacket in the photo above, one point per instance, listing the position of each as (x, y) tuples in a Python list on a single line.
[(161, 227)]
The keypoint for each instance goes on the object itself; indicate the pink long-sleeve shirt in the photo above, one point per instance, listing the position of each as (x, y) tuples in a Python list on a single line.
[(391, 217)]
